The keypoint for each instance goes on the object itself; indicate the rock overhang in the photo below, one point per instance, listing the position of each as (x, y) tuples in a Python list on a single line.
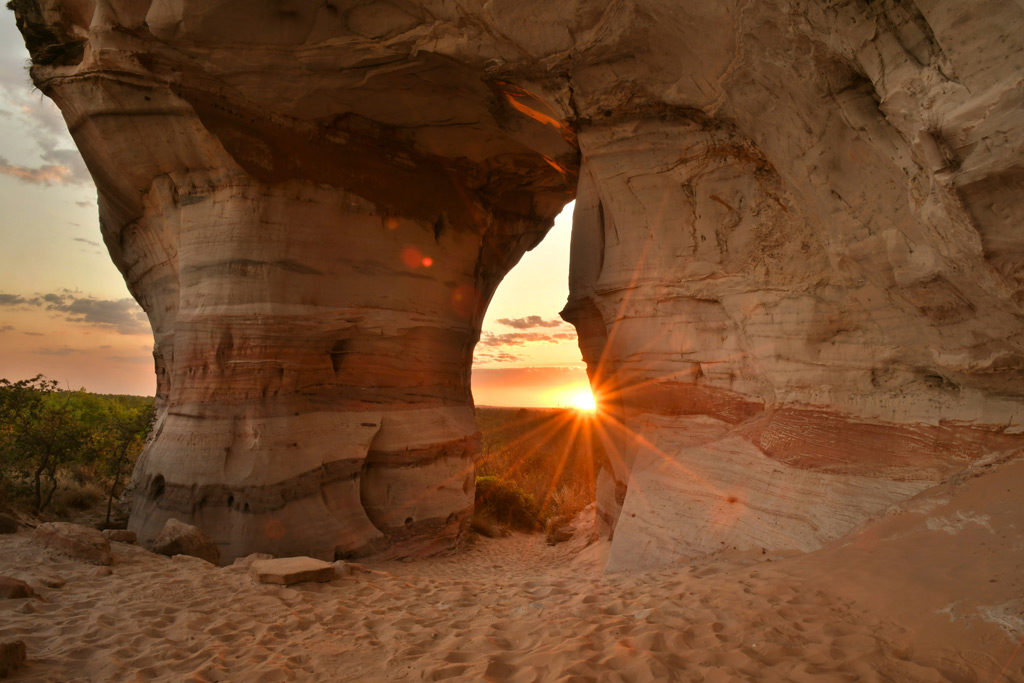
[(792, 216)]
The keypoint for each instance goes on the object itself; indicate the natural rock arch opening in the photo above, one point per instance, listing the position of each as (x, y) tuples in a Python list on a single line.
[(527, 355), (795, 266)]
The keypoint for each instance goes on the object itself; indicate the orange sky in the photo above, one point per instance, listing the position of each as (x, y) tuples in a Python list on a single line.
[(66, 313)]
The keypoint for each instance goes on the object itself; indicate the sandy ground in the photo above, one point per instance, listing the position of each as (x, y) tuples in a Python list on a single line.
[(933, 593)]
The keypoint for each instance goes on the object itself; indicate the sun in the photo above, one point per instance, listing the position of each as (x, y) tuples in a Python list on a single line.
[(583, 400)]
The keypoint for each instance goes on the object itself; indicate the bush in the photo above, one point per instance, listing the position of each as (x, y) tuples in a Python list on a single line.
[(504, 502), (67, 449), (546, 453)]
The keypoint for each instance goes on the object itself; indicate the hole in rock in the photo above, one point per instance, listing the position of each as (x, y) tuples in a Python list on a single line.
[(527, 355), (536, 463), (156, 487)]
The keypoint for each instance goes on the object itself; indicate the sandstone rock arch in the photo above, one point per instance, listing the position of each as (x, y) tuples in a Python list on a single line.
[(796, 267)]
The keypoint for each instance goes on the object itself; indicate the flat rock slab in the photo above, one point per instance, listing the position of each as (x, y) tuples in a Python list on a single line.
[(12, 656), (11, 588), (76, 541), (288, 570)]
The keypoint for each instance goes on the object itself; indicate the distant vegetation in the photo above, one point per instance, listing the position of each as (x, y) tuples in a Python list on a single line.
[(62, 451), (69, 454), (536, 466)]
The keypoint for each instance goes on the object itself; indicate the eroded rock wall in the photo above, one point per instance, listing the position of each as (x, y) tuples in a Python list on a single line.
[(314, 222), (804, 309), (796, 260)]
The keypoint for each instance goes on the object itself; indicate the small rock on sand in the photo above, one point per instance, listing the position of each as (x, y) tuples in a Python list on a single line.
[(11, 588), (49, 580), (75, 541), (120, 535), (178, 538), (246, 562), (288, 570)]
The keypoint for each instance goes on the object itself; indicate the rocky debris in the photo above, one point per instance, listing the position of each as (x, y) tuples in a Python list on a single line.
[(12, 655), (178, 538), (75, 541), (120, 535), (11, 588), (288, 570), (8, 525)]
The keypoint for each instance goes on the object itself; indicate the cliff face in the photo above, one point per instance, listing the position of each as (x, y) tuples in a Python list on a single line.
[(796, 266)]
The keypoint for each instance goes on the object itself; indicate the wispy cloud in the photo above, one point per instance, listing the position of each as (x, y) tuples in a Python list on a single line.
[(524, 338), (35, 118), (530, 322), (495, 357), (121, 315), (47, 174), (89, 242), (6, 328)]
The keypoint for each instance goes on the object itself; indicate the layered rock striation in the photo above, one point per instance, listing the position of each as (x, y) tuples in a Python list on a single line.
[(796, 261)]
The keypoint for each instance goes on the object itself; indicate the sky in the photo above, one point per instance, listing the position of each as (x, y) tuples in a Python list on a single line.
[(65, 311)]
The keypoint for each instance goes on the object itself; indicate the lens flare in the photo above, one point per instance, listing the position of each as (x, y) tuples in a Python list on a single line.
[(583, 400)]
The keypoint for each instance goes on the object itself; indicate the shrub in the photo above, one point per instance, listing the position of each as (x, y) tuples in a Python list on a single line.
[(506, 503), (547, 453)]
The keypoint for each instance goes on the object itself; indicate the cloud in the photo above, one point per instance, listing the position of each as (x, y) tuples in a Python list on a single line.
[(529, 322), (121, 315), (85, 204), (524, 338), (47, 174), (6, 328), (495, 357), (89, 242), (36, 118)]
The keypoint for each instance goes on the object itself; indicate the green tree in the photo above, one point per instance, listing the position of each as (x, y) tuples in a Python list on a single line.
[(118, 441), (39, 433)]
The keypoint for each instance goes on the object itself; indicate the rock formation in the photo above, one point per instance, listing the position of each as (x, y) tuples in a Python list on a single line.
[(796, 264)]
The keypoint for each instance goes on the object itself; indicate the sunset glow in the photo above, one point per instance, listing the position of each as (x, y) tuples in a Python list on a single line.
[(584, 400)]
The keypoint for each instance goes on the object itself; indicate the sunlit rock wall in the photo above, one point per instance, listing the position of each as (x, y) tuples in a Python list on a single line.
[(796, 261), (797, 268)]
